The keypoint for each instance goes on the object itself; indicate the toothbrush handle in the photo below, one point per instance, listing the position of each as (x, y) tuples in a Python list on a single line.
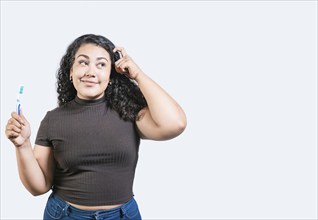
[(18, 107)]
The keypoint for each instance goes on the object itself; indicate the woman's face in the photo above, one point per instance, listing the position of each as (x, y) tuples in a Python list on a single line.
[(90, 71)]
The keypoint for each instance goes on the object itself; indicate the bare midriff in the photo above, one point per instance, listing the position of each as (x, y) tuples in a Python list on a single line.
[(94, 208)]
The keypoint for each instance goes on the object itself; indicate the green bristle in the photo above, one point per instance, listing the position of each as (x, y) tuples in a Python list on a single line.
[(21, 89)]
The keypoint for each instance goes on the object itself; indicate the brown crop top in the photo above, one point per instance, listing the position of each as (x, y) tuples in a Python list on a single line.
[(95, 152)]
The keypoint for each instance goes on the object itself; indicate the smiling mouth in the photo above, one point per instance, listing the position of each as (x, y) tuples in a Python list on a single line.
[(89, 83)]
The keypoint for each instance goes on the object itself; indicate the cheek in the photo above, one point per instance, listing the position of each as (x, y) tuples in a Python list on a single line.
[(105, 75), (79, 71)]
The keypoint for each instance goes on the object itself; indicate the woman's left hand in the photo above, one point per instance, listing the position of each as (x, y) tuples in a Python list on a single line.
[(126, 65)]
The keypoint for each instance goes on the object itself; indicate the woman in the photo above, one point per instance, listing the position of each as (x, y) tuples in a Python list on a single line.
[(86, 150)]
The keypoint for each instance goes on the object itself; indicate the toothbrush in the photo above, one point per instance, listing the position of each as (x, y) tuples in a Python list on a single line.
[(19, 99)]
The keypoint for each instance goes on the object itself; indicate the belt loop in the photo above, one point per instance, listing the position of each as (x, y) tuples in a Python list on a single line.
[(65, 209), (122, 211)]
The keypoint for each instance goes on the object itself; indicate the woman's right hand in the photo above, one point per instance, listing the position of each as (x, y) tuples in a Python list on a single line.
[(18, 129)]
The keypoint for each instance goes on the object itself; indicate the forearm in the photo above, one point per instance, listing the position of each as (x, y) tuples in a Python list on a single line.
[(164, 110), (30, 172)]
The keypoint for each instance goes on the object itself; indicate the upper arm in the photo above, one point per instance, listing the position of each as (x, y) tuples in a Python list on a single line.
[(45, 158), (149, 129)]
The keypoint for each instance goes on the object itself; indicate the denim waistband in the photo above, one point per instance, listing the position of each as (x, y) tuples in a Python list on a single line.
[(97, 214)]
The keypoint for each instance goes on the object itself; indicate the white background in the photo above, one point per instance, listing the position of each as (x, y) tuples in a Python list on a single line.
[(245, 73)]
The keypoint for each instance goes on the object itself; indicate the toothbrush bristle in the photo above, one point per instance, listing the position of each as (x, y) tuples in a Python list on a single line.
[(21, 89)]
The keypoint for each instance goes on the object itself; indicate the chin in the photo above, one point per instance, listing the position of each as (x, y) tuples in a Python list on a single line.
[(92, 96)]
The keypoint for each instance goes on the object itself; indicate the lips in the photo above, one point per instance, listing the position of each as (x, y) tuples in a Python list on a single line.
[(89, 82)]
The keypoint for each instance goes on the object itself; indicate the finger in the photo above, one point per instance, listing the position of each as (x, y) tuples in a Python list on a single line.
[(117, 49), (12, 134), (122, 66), (14, 122), (15, 128), (23, 119), (18, 117), (121, 50)]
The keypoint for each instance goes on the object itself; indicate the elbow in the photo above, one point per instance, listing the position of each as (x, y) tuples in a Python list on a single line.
[(176, 123), (175, 128), (181, 122), (180, 125), (38, 192)]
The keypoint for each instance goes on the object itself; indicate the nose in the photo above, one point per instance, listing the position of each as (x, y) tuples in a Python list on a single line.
[(91, 71)]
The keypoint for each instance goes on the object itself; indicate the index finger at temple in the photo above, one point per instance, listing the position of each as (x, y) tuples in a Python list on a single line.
[(121, 50)]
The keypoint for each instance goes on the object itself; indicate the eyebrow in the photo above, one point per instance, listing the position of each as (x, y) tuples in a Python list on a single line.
[(87, 57)]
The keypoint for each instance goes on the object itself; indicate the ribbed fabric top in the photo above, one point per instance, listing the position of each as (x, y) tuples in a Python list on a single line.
[(95, 152)]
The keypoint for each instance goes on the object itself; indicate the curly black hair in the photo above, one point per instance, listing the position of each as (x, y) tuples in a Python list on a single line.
[(123, 95)]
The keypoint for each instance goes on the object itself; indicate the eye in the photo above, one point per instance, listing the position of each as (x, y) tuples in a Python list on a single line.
[(83, 62), (101, 65)]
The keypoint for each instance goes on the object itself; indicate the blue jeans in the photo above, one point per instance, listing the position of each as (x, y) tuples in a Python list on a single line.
[(57, 208)]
